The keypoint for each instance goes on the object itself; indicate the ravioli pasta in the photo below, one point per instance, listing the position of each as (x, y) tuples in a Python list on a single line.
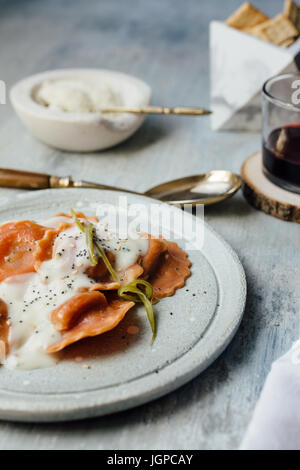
[(52, 295)]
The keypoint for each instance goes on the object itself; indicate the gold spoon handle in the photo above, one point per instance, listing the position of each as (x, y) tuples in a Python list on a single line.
[(30, 180), (23, 179), (179, 111)]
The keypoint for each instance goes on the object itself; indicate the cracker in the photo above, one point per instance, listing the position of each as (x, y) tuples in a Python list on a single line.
[(287, 42), (247, 16), (277, 30), (292, 12)]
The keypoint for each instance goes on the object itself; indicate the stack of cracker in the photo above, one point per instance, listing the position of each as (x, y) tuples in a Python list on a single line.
[(283, 30)]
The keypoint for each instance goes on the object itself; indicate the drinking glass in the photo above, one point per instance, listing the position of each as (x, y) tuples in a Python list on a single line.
[(281, 131)]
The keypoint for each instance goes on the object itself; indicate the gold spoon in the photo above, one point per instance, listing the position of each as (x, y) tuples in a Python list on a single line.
[(208, 188), (179, 110)]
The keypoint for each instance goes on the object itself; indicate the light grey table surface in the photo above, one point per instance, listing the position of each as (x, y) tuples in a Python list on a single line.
[(164, 42)]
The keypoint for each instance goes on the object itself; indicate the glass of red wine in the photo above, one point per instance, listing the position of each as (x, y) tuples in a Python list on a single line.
[(281, 131)]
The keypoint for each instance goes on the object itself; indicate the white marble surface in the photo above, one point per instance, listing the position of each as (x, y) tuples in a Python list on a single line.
[(166, 44)]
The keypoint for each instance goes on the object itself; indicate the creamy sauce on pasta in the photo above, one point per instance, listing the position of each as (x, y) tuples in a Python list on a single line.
[(30, 298)]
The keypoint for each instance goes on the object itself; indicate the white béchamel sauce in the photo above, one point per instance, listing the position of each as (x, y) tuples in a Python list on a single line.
[(30, 298)]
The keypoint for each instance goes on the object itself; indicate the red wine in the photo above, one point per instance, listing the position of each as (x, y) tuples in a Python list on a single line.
[(281, 154)]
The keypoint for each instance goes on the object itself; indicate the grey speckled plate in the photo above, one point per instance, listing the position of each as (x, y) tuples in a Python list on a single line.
[(124, 369)]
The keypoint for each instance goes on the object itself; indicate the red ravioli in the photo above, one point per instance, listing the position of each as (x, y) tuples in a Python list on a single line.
[(44, 246), (165, 266), (132, 273), (87, 314), (17, 247), (151, 259), (171, 271)]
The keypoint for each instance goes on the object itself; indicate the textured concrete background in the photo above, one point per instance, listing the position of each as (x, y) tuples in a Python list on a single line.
[(164, 42)]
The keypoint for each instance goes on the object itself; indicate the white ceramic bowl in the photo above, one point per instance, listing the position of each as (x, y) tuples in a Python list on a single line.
[(80, 132)]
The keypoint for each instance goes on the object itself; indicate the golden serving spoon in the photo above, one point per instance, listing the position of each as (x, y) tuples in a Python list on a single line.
[(178, 110), (208, 188)]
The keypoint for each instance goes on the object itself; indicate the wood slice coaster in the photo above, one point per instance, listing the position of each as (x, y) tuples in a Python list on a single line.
[(266, 196)]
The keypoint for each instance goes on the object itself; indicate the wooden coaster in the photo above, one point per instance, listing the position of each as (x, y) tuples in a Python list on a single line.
[(266, 196)]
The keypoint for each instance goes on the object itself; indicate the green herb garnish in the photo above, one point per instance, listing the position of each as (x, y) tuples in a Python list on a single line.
[(77, 221), (91, 242), (133, 293), (106, 261), (89, 237)]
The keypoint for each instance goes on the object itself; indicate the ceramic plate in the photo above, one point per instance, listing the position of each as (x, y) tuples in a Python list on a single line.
[(120, 370)]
